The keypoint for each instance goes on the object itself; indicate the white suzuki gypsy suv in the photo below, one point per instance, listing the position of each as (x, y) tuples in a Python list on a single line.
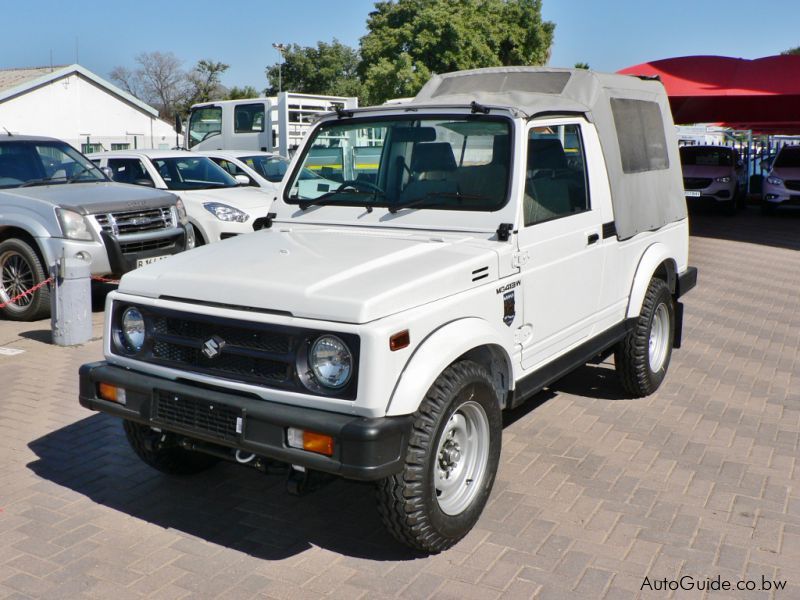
[(514, 224)]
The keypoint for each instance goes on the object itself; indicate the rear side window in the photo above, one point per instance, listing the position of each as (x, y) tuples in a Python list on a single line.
[(640, 131), (248, 118)]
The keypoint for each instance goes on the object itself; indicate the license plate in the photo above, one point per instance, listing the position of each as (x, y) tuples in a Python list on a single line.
[(691, 194), (142, 262)]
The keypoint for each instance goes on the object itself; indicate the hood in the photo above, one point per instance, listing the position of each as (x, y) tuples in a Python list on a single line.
[(786, 173), (99, 197), (706, 171), (244, 198), (333, 274)]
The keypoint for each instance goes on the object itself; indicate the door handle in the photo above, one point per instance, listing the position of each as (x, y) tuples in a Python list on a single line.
[(592, 238)]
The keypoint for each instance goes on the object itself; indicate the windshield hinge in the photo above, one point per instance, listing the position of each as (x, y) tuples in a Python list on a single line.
[(341, 112), (268, 220), (520, 259), (504, 231), (479, 108)]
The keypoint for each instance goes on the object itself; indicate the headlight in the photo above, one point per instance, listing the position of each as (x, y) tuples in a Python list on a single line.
[(133, 329), (226, 213), (73, 225), (774, 180), (725, 179), (180, 210), (331, 361)]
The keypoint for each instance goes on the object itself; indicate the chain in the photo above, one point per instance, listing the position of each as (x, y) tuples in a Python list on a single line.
[(33, 290), (104, 280)]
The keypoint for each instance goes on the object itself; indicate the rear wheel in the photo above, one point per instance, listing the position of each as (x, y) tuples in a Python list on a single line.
[(450, 463), (160, 451), (642, 357), (20, 270)]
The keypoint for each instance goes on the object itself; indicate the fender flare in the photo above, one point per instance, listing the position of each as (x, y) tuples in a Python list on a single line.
[(435, 353), (652, 258), (32, 225)]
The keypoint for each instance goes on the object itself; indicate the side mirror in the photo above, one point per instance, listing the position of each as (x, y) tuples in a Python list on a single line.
[(144, 181), (242, 179), (107, 172)]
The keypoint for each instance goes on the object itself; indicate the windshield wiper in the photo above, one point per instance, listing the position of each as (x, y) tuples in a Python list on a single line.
[(327, 197), (427, 200), (42, 180)]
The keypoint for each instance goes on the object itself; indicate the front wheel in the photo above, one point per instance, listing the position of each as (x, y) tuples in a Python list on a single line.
[(450, 463), (642, 357), (20, 271)]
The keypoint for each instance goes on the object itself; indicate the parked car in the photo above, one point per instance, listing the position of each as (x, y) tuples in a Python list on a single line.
[(219, 206), (715, 175), (781, 185), (517, 223), (54, 202), (262, 169)]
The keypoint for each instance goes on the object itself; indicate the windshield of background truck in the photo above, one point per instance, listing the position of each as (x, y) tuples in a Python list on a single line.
[(437, 162), (193, 173), (29, 163), (204, 122), (788, 158), (706, 157)]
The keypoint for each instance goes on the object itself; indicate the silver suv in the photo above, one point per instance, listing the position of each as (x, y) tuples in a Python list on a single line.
[(54, 202)]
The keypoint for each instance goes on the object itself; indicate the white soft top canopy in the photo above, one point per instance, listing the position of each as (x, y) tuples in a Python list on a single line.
[(632, 117)]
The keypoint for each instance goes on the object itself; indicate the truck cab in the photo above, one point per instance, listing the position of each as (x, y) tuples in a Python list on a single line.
[(509, 225)]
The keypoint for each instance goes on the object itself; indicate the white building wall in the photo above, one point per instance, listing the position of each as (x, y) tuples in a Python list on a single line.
[(73, 107)]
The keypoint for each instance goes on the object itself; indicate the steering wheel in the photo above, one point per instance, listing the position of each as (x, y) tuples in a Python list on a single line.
[(358, 186)]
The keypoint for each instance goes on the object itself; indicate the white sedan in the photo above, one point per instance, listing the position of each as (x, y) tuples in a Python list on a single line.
[(218, 204)]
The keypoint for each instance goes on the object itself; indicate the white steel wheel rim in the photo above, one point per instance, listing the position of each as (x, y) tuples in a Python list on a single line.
[(659, 338), (462, 457)]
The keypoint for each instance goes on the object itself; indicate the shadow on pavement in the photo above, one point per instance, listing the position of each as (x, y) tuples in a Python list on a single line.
[(45, 336), (779, 229), (229, 505)]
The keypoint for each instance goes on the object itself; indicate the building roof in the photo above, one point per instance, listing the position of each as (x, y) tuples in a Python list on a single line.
[(15, 82)]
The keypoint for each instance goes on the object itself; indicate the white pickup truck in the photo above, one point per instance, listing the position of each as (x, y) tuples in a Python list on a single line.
[(513, 224)]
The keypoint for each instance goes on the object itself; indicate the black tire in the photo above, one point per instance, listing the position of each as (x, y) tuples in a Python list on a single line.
[(632, 354), (730, 207), (408, 501), (164, 454), (767, 208), (20, 270)]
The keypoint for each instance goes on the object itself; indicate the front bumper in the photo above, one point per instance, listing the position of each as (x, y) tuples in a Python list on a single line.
[(364, 449), (125, 251)]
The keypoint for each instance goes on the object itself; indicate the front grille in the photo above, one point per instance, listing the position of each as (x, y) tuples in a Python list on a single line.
[(696, 183), (264, 354), (135, 221), (792, 184), (216, 420), (133, 247)]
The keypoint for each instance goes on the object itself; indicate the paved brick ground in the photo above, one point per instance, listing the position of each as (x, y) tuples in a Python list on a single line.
[(594, 491)]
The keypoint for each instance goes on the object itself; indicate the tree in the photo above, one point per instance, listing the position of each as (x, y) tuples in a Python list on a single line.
[(328, 69), (238, 93), (792, 51), (204, 82), (408, 40), (158, 80), (582, 65)]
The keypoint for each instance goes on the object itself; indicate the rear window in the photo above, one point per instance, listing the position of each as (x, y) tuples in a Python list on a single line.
[(640, 131)]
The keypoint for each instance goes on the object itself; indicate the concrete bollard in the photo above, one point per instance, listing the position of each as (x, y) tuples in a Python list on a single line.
[(71, 303)]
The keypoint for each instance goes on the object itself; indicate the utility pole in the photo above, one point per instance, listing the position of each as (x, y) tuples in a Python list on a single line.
[(280, 48)]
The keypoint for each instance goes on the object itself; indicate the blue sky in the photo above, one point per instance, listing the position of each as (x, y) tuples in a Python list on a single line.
[(609, 34)]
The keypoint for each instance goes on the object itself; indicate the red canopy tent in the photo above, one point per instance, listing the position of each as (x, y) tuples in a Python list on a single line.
[(761, 94)]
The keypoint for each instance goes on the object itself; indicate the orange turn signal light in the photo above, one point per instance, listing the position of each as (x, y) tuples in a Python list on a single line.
[(310, 441), (400, 340), (111, 393)]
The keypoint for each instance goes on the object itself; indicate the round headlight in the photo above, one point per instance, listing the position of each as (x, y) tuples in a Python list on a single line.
[(133, 328), (331, 361)]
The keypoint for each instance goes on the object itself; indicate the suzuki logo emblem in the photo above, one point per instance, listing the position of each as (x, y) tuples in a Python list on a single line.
[(212, 348)]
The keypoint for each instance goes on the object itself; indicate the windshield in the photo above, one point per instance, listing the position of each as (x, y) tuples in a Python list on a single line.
[(273, 168), (28, 163), (788, 157), (706, 157), (442, 162), (204, 122), (192, 173)]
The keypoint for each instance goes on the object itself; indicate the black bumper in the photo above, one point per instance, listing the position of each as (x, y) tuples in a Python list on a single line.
[(121, 261), (686, 281), (364, 449)]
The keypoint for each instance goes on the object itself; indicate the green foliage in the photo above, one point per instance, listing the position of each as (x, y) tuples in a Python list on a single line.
[(582, 65), (239, 93), (408, 40), (204, 82), (329, 69), (792, 51)]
